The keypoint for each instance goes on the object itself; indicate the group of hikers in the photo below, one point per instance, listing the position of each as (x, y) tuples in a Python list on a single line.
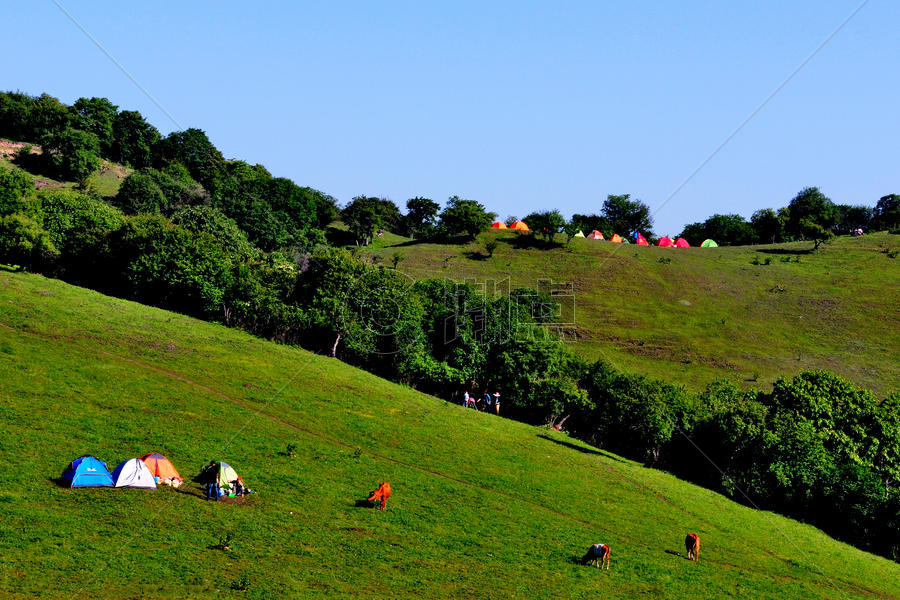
[(488, 403)]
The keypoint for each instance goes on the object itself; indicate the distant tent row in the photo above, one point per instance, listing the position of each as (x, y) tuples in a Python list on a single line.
[(518, 225), (640, 240), (143, 472)]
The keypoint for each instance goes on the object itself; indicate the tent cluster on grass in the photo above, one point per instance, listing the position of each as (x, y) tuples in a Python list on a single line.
[(639, 239), (518, 225), (144, 472)]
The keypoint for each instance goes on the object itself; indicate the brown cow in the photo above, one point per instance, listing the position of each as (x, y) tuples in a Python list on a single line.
[(597, 554), (382, 493), (692, 545)]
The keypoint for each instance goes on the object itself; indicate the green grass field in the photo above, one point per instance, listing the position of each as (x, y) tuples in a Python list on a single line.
[(482, 508), (691, 315)]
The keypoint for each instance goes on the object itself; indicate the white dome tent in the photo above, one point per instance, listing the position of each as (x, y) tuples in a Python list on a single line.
[(133, 473)]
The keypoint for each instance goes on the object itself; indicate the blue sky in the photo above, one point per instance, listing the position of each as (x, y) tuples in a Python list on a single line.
[(522, 106)]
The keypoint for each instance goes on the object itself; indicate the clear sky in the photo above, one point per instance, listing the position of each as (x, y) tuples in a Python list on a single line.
[(520, 105)]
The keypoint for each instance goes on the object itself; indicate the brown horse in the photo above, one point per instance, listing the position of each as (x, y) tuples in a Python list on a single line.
[(597, 554), (692, 545), (382, 493)]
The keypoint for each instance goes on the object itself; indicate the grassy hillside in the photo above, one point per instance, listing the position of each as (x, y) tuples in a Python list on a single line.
[(691, 315), (483, 507)]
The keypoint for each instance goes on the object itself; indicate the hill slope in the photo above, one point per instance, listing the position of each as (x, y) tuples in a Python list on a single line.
[(691, 315), (482, 507)]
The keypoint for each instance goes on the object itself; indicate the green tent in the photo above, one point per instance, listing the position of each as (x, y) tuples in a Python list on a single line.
[(709, 244), (579, 234)]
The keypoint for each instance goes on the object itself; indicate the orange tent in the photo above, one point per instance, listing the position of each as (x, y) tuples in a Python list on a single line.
[(616, 238), (499, 225), (595, 235), (160, 466), (520, 225)]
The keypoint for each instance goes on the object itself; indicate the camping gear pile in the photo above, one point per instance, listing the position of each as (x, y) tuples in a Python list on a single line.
[(151, 470), (221, 481)]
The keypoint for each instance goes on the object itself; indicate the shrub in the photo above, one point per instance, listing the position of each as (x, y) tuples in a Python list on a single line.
[(24, 243)]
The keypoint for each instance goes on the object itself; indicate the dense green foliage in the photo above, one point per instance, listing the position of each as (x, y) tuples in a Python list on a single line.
[(465, 217), (482, 507), (248, 248)]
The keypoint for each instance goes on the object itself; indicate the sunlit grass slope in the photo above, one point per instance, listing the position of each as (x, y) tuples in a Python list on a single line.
[(482, 508), (691, 315)]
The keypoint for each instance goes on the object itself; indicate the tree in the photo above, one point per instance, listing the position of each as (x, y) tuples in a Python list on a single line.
[(627, 217), (139, 194), (767, 226), (571, 229), (15, 184), (72, 153), (97, 116), (810, 230), (211, 221), (887, 212), (47, 116), (588, 223), (24, 243), (545, 224), (421, 217), (193, 149), (363, 217), (813, 206), (726, 230), (465, 217), (133, 139), (850, 218)]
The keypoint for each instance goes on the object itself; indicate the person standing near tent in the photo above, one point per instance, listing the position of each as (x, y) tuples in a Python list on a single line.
[(466, 398), (488, 401), (497, 403)]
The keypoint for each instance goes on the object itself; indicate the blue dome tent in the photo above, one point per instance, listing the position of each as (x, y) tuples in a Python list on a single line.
[(87, 471)]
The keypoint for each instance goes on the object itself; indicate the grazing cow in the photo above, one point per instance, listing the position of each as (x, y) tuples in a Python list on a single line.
[(597, 554), (382, 493), (692, 545)]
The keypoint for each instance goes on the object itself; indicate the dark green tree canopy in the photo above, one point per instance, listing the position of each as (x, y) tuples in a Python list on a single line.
[(193, 149), (545, 224), (363, 217), (421, 217), (588, 223), (726, 230), (71, 153), (133, 139), (97, 116), (627, 217), (465, 217), (810, 205), (767, 226), (887, 212)]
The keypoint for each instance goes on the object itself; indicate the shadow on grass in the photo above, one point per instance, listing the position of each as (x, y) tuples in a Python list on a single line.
[(474, 255), (524, 242), (363, 504), (785, 251), (59, 481), (197, 492), (458, 240), (678, 554), (582, 449)]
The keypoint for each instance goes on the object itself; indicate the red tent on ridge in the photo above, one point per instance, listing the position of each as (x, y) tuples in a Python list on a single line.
[(665, 241), (595, 235), (682, 243), (641, 241), (499, 225)]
